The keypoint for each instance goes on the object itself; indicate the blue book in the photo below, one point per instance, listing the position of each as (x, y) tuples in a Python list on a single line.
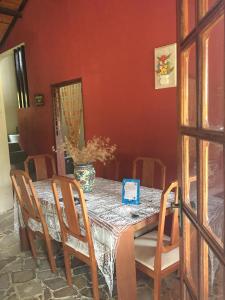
[(131, 191)]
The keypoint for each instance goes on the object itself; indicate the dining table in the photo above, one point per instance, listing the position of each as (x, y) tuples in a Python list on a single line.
[(113, 225)]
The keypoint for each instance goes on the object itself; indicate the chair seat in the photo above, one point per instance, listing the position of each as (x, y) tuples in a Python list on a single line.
[(145, 248), (144, 230)]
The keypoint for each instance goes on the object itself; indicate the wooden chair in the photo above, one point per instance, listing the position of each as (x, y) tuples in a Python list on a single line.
[(41, 162), (76, 240), (108, 171), (32, 212), (156, 254), (147, 168)]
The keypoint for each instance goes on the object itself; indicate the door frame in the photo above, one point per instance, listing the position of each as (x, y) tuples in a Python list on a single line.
[(199, 134)]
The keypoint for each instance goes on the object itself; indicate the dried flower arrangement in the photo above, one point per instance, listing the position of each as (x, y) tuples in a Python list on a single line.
[(97, 148)]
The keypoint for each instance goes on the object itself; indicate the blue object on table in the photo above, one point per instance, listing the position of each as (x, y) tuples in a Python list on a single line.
[(131, 191)]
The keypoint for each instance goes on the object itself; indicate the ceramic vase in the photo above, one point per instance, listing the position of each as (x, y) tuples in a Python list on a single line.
[(85, 174)]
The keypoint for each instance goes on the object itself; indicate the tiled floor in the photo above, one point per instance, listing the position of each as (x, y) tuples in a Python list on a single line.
[(23, 278)]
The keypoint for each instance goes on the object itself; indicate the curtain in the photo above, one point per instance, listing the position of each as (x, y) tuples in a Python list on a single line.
[(72, 112)]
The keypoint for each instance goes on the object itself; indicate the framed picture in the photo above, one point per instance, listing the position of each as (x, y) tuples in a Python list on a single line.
[(39, 99), (131, 191), (166, 66)]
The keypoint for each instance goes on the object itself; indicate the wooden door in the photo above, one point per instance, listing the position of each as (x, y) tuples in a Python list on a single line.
[(201, 144)]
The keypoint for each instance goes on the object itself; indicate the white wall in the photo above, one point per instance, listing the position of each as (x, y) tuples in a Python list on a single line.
[(9, 90), (6, 198), (8, 124)]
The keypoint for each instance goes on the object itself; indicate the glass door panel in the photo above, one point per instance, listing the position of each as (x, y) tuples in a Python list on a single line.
[(191, 254), (210, 4), (189, 7), (207, 5), (190, 196), (214, 189), (213, 70), (202, 142), (189, 87), (216, 276)]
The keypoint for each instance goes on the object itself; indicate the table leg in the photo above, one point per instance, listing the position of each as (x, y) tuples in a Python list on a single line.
[(125, 266), (24, 242)]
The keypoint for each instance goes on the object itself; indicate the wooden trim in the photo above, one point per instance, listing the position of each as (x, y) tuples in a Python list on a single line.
[(10, 12), (66, 82), (61, 170), (204, 269), (190, 289), (58, 139), (204, 134)]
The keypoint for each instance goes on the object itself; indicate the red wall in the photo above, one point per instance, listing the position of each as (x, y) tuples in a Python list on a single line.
[(110, 44)]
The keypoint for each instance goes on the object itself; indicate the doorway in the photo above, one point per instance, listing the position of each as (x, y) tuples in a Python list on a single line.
[(8, 125), (68, 120), (202, 145)]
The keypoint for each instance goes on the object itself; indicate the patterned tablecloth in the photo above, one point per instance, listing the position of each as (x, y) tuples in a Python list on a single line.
[(108, 217)]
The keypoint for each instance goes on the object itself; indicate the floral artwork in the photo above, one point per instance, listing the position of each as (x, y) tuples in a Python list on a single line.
[(165, 66)]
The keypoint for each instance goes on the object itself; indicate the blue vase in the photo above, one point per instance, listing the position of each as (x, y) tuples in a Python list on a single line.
[(85, 174)]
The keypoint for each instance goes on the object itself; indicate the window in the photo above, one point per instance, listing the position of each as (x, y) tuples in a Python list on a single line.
[(21, 77)]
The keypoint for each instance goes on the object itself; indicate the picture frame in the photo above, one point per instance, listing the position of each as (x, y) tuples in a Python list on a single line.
[(39, 99), (166, 66), (131, 191)]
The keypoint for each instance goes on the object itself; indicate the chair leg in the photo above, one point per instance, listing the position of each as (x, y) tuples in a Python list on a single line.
[(157, 283), (67, 266), (31, 241), (94, 276), (50, 254)]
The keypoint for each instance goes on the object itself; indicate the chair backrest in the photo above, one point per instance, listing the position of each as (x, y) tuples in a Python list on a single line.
[(26, 196), (109, 171), (41, 163), (70, 224), (148, 169), (171, 190)]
